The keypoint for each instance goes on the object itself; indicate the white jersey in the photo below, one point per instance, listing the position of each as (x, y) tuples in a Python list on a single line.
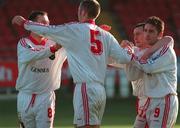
[(88, 48), (160, 70), (135, 75), (37, 72)]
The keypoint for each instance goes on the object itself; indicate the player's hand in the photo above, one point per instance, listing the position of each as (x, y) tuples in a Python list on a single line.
[(126, 43), (57, 46), (19, 20), (145, 56)]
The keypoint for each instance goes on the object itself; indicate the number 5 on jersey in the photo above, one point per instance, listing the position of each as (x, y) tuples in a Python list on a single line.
[(96, 45)]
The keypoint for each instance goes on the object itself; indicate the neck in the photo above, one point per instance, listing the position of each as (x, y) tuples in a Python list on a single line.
[(91, 21), (37, 37), (87, 19)]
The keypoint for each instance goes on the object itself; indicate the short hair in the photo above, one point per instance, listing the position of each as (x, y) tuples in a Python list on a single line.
[(92, 7), (34, 14), (139, 25), (157, 22)]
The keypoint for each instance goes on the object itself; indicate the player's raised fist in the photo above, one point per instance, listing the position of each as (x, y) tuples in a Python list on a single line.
[(126, 43), (19, 20), (57, 46)]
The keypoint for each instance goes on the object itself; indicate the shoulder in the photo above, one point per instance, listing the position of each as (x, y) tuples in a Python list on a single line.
[(168, 41), (105, 33), (170, 38), (168, 45), (25, 42), (72, 24)]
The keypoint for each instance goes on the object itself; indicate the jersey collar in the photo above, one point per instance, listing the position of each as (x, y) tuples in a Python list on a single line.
[(91, 21), (104, 27), (34, 41)]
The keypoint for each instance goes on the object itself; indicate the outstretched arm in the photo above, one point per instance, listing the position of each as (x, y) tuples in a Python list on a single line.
[(162, 42), (27, 53), (160, 61), (19, 20), (58, 33)]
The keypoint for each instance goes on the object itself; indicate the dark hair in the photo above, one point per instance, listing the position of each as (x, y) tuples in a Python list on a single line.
[(157, 22), (139, 25), (34, 14), (92, 7)]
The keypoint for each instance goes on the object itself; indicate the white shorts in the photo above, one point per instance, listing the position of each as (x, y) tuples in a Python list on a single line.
[(89, 103), (157, 112), (36, 111)]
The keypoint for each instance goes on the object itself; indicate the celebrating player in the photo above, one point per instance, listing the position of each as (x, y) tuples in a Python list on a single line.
[(88, 48), (39, 65), (158, 103), (142, 51)]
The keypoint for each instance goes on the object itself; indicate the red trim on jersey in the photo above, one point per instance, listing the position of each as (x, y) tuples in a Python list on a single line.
[(33, 99), (91, 21), (25, 45), (147, 103), (31, 103), (164, 50), (53, 49), (33, 40), (145, 108), (23, 42), (132, 56), (105, 27), (166, 111), (146, 126), (85, 103), (137, 105), (142, 112), (28, 22)]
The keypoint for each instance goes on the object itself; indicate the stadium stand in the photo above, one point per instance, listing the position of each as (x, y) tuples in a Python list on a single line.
[(127, 12), (131, 12), (59, 12)]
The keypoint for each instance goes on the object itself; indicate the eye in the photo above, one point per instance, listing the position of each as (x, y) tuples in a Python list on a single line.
[(145, 30)]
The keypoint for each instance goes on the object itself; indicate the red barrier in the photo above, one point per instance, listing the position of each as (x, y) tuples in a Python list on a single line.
[(177, 52), (8, 73)]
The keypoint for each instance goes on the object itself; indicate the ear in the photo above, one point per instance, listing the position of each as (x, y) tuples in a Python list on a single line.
[(160, 35), (84, 13)]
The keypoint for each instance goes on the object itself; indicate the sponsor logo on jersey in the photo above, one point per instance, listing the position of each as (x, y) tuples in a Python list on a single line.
[(39, 70)]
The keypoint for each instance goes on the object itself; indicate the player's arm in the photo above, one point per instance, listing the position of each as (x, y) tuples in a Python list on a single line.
[(61, 53), (26, 53), (126, 43), (132, 72), (112, 62), (162, 42), (122, 56), (57, 33), (159, 63)]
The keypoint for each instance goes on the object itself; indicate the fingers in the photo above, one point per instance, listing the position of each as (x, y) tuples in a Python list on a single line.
[(126, 43), (19, 20), (144, 57), (56, 47)]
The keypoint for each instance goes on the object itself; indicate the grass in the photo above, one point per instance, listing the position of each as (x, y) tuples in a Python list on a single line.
[(119, 113)]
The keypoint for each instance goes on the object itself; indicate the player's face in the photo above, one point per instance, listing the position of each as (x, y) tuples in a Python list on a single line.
[(138, 36), (151, 34), (43, 19)]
